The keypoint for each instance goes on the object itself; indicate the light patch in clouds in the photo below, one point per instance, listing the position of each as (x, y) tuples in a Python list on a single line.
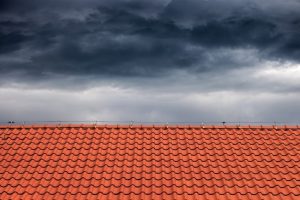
[(287, 75), (115, 103), (122, 105)]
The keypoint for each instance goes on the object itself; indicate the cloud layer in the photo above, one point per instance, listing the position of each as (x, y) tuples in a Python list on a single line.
[(136, 38), (183, 49)]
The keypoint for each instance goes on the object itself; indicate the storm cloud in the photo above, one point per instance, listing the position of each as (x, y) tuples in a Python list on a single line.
[(161, 47)]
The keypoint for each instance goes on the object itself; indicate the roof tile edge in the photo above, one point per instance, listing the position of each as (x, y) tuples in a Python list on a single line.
[(135, 126)]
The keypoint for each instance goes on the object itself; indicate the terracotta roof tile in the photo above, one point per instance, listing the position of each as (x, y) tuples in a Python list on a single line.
[(149, 162)]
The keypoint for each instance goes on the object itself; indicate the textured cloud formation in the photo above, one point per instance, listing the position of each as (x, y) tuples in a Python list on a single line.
[(138, 38), (234, 48), (117, 104)]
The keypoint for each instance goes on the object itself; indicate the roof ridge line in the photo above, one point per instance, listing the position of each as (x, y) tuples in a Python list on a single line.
[(166, 126)]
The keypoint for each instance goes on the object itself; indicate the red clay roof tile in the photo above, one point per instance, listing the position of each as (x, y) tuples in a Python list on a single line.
[(149, 162)]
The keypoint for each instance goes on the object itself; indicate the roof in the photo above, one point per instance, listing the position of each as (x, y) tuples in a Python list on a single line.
[(149, 162)]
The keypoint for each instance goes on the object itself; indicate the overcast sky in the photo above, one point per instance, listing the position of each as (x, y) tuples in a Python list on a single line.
[(158, 60)]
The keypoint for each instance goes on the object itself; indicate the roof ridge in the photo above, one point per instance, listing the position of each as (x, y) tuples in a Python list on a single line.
[(166, 126)]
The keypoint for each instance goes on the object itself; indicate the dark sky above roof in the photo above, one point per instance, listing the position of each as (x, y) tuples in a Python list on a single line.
[(154, 60)]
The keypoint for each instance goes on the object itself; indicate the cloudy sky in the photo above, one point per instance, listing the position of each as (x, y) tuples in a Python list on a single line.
[(153, 61)]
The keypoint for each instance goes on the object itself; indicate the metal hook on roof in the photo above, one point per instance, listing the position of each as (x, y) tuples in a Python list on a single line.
[(238, 126), (275, 125), (131, 123), (202, 125)]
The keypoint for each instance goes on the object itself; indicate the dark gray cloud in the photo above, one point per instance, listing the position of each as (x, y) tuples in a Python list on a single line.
[(159, 60), (142, 38)]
